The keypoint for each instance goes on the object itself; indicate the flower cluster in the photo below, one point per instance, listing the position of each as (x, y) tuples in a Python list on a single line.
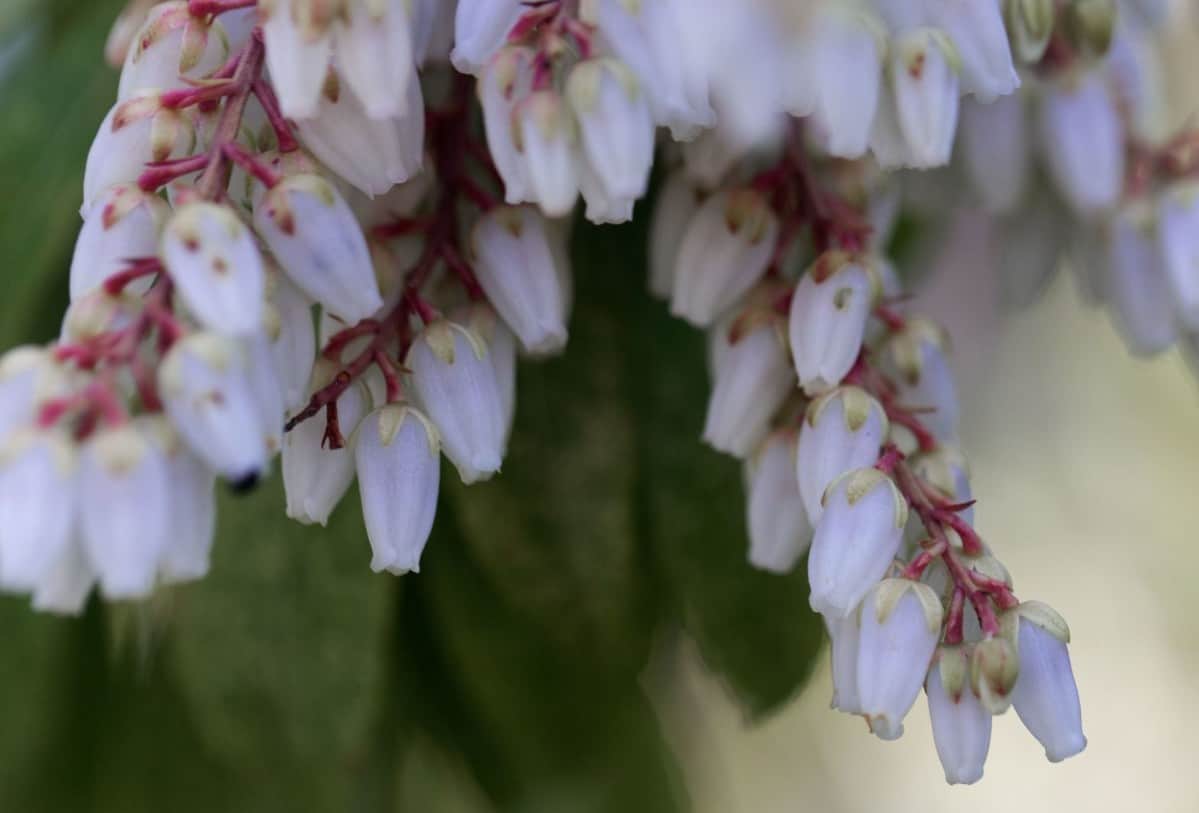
[(325, 230)]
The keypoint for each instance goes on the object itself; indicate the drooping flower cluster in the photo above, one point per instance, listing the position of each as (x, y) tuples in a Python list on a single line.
[(306, 235)]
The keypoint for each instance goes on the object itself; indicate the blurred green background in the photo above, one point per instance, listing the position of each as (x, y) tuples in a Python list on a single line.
[(585, 634)]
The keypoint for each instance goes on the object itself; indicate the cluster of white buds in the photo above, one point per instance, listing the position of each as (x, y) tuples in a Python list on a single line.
[(845, 412), (306, 234)]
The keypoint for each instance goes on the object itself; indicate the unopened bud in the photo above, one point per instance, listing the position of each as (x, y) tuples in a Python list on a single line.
[(1029, 25), (994, 667)]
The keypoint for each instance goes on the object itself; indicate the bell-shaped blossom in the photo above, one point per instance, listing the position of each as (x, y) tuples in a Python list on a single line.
[(845, 637), (1136, 285), (548, 141), (753, 378), (1178, 233), (924, 79), (976, 29), (779, 530), (961, 726), (266, 385), (38, 505), (829, 311), (288, 325), (922, 375), (482, 320), (617, 130), (123, 224), (191, 498), (313, 233), (1083, 140), (480, 29), (601, 206), (372, 153), (677, 203), (315, 475), (213, 259), (996, 152), (124, 510), (134, 132), (64, 586), (299, 43), (847, 45), (1045, 695), (398, 454), (901, 622), (843, 430), (456, 386), (506, 79), (375, 54), (172, 50), (29, 377), (726, 249), (205, 387), (514, 264), (652, 39), (856, 538)]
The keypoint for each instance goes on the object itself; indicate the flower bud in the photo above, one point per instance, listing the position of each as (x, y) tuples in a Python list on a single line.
[(398, 454), (601, 206), (318, 242), (547, 141), (206, 390), (316, 476), (122, 224), (924, 78), (677, 203), (375, 54), (506, 79), (267, 389), (289, 329), (901, 622), (923, 378), (481, 319), (457, 388), (133, 133), (994, 667), (38, 504), (1029, 26), (213, 260), (976, 28), (173, 50), (843, 430), (1083, 141), (994, 144), (1045, 695), (65, 585), (829, 311), (480, 28), (961, 726), (371, 153), (192, 501), (847, 45), (726, 248), (29, 377), (514, 264), (1178, 235), (616, 127), (845, 638), (1136, 282), (856, 538), (779, 531), (753, 379), (1090, 25), (945, 470), (299, 43), (124, 510)]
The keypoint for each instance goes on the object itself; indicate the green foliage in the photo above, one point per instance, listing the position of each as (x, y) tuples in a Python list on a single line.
[(503, 677)]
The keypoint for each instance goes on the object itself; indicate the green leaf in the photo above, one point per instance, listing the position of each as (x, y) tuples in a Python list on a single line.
[(54, 98), (280, 650), (754, 629), (556, 531), (541, 730)]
